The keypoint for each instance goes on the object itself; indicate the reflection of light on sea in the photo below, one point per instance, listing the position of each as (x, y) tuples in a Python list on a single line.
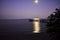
[(36, 25)]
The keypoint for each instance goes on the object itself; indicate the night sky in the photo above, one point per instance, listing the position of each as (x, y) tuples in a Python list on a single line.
[(25, 9)]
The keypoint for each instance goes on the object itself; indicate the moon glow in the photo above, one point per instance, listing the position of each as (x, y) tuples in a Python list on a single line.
[(36, 1)]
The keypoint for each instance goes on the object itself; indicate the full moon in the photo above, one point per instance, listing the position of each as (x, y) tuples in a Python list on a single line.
[(36, 1)]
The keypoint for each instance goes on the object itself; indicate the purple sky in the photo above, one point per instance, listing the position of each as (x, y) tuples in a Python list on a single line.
[(22, 9)]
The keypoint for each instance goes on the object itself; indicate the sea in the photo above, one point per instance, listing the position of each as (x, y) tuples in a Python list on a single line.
[(21, 29)]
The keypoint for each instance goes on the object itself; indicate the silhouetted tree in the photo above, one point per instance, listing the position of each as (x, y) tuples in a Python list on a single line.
[(53, 23)]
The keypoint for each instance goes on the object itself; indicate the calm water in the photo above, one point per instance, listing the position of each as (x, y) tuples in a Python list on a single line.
[(17, 28)]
